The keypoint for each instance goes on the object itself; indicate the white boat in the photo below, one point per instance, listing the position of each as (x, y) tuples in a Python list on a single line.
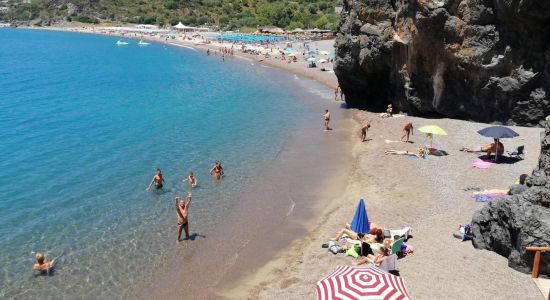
[(121, 43), (142, 43)]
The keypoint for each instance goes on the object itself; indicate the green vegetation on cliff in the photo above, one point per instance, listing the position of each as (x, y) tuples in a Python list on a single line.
[(227, 14)]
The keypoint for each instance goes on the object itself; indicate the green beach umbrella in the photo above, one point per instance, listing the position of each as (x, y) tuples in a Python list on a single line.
[(430, 130)]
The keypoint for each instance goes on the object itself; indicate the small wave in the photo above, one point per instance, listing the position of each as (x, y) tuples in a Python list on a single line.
[(291, 208), (183, 46)]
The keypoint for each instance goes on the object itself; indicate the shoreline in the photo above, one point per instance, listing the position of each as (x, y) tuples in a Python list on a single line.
[(166, 287), (433, 206)]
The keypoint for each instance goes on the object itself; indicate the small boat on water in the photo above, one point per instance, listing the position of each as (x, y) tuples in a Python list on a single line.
[(142, 43), (121, 43)]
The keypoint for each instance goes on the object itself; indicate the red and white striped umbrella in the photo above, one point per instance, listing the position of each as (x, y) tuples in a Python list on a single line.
[(361, 282)]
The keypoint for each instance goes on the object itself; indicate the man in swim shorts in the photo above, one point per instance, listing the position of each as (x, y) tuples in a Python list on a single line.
[(157, 180), (182, 210), (326, 117), (364, 130)]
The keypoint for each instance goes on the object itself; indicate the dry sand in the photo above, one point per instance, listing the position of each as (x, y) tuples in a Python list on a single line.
[(426, 194)]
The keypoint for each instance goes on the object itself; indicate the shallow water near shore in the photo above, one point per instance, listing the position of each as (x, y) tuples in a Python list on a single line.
[(84, 125)]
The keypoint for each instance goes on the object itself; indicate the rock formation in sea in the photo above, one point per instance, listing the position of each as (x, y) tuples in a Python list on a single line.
[(522, 219), (482, 60)]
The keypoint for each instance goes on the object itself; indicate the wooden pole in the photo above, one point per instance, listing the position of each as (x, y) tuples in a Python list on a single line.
[(536, 263)]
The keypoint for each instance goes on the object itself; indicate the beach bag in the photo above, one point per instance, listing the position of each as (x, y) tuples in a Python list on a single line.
[(366, 249)]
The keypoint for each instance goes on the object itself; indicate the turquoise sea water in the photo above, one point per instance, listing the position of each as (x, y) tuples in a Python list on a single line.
[(83, 125)]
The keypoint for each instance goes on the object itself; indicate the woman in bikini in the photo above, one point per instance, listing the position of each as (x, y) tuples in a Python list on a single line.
[(420, 153), (218, 170)]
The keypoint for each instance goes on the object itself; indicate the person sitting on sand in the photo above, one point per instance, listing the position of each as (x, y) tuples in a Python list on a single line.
[(326, 118), (43, 265), (378, 259), (218, 170), (191, 179), (157, 180), (420, 153), (407, 130), (364, 130), (182, 210), (488, 149)]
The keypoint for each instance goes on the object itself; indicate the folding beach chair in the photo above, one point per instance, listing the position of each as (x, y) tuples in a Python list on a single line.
[(518, 153)]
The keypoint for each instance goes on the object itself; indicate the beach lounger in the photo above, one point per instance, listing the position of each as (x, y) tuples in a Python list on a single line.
[(389, 264)]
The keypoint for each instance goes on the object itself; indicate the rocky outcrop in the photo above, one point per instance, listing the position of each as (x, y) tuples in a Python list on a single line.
[(483, 60), (521, 219)]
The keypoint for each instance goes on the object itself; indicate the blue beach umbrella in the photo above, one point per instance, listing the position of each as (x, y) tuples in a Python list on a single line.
[(498, 132), (312, 59), (312, 52), (360, 223)]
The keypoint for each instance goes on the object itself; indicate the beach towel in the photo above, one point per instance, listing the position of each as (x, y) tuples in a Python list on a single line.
[(489, 195), (481, 164)]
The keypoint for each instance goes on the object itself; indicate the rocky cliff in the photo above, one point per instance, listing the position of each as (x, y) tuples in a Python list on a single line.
[(521, 219), (482, 60)]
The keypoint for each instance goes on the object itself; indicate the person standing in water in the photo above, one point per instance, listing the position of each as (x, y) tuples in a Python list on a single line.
[(407, 130), (182, 211), (217, 169), (191, 179), (157, 180), (326, 117), (364, 130)]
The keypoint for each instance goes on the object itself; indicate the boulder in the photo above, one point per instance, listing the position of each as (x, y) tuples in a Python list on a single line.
[(481, 60), (521, 219)]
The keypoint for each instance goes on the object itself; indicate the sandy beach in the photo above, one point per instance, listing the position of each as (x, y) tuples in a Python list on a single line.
[(426, 194)]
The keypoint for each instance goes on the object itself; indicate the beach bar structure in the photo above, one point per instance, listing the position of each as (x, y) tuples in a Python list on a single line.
[(185, 28)]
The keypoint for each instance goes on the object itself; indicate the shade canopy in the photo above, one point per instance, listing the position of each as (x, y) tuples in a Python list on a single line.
[(361, 282), (498, 132), (360, 222), (432, 129), (312, 59)]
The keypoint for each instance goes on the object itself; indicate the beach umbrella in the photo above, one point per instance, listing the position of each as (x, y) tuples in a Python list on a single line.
[(292, 54), (498, 132), (430, 130), (312, 52), (360, 222), (322, 61), (361, 282), (323, 52), (312, 59)]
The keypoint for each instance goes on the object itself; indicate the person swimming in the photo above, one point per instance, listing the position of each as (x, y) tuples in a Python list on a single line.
[(158, 181), (217, 169), (191, 179), (44, 266)]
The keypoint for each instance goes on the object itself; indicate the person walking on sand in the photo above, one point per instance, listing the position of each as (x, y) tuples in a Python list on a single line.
[(407, 130), (326, 117), (217, 169), (182, 210), (157, 180), (336, 92), (364, 130), (191, 179)]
